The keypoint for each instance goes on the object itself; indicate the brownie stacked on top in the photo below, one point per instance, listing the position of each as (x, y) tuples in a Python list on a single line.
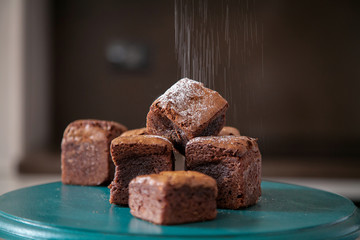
[(187, 110)]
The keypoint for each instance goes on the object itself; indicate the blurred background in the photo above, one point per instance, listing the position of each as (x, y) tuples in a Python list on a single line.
[(66, 60)]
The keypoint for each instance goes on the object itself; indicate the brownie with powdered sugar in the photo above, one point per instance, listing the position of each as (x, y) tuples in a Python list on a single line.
[(187, 110)]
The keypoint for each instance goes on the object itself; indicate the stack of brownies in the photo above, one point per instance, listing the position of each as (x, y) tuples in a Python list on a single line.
[(223, 169)]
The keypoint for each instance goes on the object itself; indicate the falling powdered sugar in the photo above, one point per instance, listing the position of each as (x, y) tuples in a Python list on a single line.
[(221, 44)]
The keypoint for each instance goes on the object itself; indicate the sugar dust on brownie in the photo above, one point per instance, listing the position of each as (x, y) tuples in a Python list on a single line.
[(186, 110)]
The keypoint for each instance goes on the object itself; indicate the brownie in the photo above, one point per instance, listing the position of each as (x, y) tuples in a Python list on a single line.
[(235, 163), (138, 131), (137, 155), (228, 131), (173, 197), (179, 158), (85, 152), (186, 110)]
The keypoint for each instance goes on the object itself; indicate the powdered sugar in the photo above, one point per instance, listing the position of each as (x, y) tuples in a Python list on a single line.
[(231, 143), (221, 139), (190, 102)]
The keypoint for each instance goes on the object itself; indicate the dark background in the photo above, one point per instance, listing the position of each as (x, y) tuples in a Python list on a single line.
[(305, 107)]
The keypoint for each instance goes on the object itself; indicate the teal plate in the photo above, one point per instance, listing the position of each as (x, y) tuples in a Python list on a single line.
[(285, 211)]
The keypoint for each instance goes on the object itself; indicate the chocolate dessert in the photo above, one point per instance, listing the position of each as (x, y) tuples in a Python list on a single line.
[(185, 111), (173, 197), (228, 131), (234, 162), (132, 132), (85, 157), (137, 155)]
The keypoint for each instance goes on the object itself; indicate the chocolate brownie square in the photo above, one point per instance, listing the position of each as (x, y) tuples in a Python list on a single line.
[(228, 131), (234, 162), (137, 155), (132, 132), (186, 110), (85, 152), (173, 197)]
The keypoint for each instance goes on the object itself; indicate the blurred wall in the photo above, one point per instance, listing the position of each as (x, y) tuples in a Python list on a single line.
[(305, 102), (86, 84), (11, 81), (37, 67), (55, 68), (309, 101)]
